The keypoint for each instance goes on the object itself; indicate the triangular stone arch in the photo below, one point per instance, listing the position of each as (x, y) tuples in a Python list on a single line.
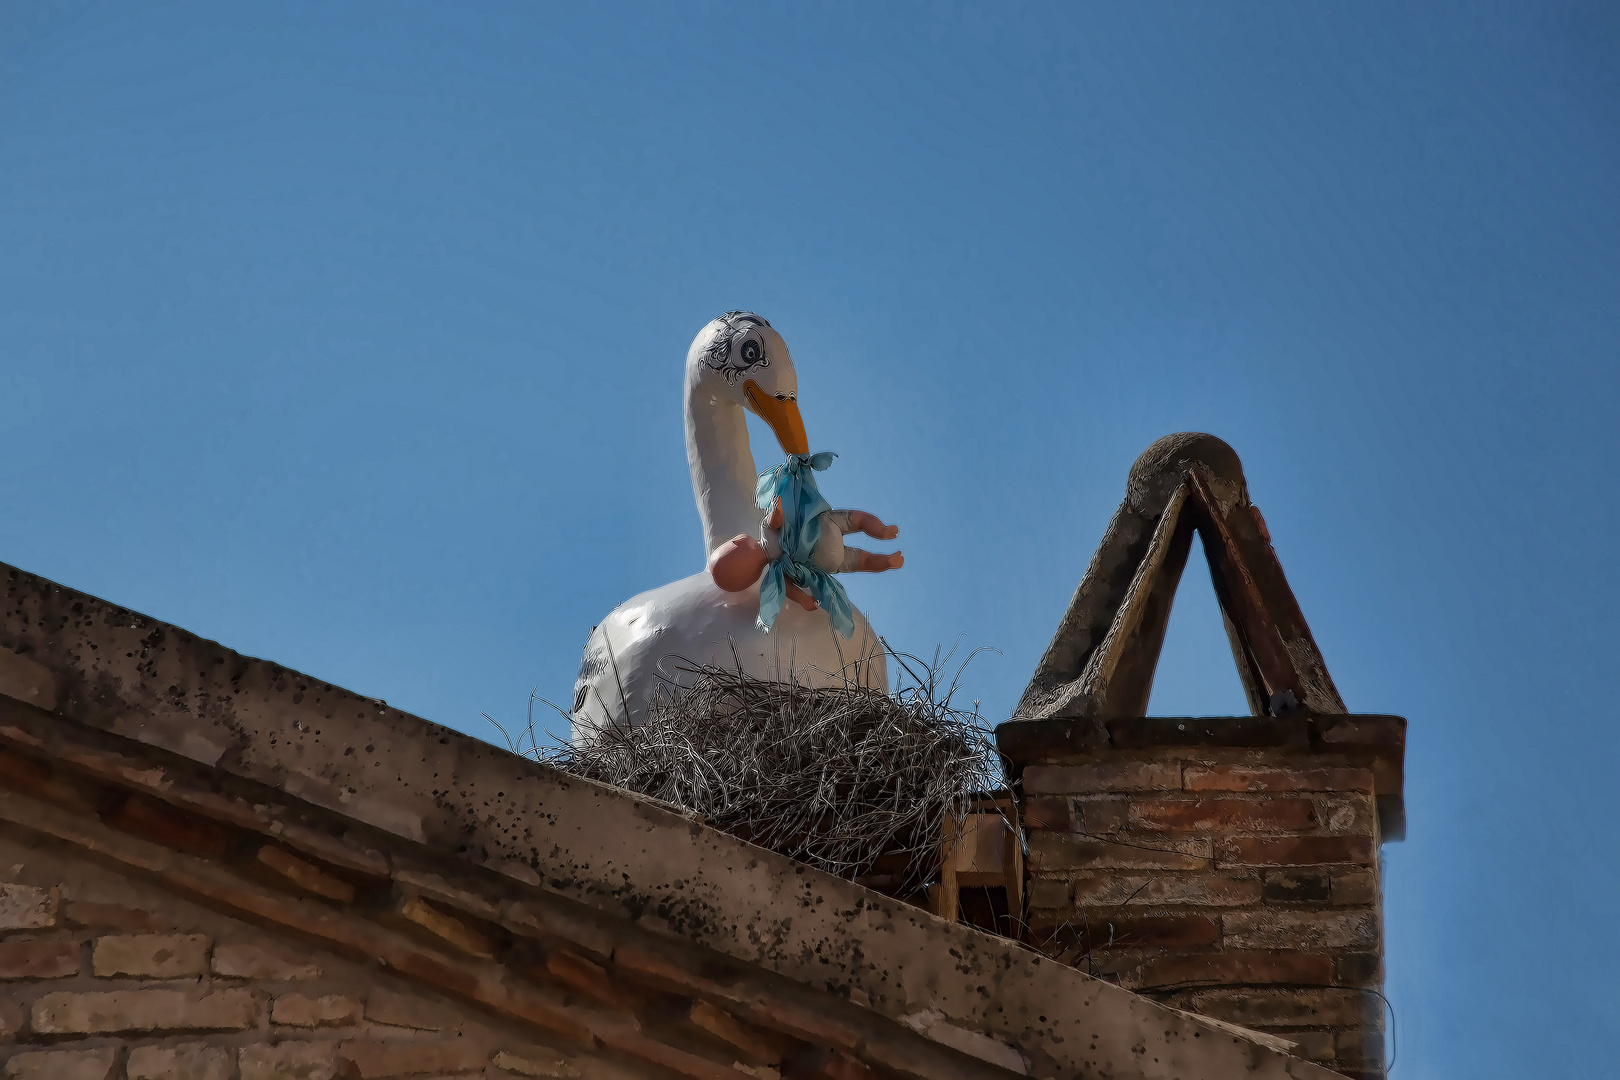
[(1101, 661)]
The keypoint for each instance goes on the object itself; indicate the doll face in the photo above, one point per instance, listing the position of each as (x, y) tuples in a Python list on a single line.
[(755, 363)]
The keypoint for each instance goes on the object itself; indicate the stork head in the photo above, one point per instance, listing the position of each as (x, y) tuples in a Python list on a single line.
[(739, 357)]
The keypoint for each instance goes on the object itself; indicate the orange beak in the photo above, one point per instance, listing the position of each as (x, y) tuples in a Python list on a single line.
[(782, 414)]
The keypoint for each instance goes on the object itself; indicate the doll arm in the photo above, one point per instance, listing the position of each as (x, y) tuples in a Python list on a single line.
[(865, 562), (843, 559), (859, 521)]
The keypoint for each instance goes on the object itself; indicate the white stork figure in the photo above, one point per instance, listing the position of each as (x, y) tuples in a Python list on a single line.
[(736, 362)]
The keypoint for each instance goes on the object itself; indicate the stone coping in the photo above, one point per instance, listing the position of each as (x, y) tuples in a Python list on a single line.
[(1375, 740)]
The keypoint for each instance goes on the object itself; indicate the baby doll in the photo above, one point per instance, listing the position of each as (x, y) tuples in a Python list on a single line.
[(801, 543), (737, 563)]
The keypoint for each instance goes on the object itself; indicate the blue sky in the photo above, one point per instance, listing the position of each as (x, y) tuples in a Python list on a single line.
[(351, 336)]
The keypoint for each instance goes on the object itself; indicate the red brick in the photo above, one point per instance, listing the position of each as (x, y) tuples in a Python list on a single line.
[(1355, 887), (1285, 1008), (536, 1061), (584, 977), (306, 875), (1111, 964), (1295, 850), (824, 1029), (1057, 852), (300, 1010), (1358, 969), (1235, 969), (1047, 812), (405, 1057), (1298, 886), (243, 961), (1099, 816), (66, 1013), (1049, 892), (98, 916), (63, 1064), (670, 1059), (13, 1020), (448, 928), (1223, 815), (1311, 931), (721, 1025), (188, 1061), (1202, 889), (655, 970), (1313, 1045), (660, 972), (1347, 813), (27, 907), (158, 821), (1138, 931), (1257, 778), (407, 1011), (531, 1006), (833, 1066), (39, 959), (1102, 776), (1363, 1048), (287, 1061), (26, 776), (430, 969), (152, 956)]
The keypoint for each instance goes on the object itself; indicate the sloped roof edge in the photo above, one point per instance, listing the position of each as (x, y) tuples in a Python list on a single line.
[(81, 658)]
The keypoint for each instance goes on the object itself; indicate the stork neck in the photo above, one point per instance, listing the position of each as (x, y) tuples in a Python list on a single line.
[(722, 464)]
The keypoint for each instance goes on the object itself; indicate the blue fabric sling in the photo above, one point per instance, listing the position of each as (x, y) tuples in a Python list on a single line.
[(794, 482)]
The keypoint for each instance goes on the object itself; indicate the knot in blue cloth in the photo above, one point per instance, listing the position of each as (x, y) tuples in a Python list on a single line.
[(794, 483)]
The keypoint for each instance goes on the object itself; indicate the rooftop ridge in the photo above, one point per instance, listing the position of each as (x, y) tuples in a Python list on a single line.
[(82, 659)]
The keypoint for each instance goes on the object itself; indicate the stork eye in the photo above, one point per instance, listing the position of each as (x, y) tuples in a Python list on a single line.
[(752, 352)]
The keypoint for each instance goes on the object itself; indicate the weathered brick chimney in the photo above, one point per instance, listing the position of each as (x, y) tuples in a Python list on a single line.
[(1223, 865)]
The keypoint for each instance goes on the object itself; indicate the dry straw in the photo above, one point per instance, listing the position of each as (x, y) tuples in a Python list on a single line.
[(854, 781)]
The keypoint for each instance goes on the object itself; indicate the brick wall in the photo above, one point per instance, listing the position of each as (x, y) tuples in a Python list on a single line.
[(102, 978), (1240, 882)]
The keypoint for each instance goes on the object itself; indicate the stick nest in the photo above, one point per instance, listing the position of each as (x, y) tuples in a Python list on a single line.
[(854, 781)]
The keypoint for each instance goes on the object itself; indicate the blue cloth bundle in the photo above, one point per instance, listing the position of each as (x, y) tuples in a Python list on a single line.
[(794, 482)]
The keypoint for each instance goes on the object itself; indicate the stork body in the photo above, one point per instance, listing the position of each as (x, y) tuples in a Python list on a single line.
[(736, 363)]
